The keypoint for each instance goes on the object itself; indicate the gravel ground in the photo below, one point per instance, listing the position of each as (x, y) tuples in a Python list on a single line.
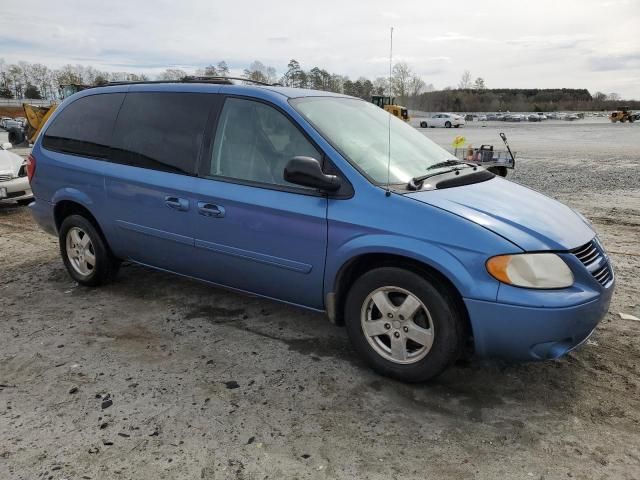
[(159, 377)]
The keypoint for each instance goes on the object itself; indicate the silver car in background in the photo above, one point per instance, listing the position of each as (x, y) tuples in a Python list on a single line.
[(14, 184)]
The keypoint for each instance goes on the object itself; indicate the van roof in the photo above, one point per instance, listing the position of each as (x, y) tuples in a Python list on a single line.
[(214, 87)]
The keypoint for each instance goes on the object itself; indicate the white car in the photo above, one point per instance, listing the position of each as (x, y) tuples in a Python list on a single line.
[(14, 184), (446, 120)]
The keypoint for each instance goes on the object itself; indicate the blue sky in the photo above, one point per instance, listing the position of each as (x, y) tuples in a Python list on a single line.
[(542, 43)]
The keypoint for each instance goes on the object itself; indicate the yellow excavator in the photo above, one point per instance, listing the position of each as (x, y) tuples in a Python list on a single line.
[(389, 104), (37, 116)]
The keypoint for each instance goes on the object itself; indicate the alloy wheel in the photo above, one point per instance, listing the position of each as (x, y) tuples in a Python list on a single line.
[(397, 325)]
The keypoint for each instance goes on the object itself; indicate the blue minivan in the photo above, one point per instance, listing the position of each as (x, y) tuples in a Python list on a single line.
[(323, 201)]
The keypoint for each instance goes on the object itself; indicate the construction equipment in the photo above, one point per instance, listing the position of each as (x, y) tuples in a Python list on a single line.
[(37, 116), (623, 114), (389, 104)]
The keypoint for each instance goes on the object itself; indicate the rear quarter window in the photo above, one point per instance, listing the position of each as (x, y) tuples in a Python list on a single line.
[(161, 130), (84, 127)]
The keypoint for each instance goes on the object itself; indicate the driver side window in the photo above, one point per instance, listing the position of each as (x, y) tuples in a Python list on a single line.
[(254, 142)]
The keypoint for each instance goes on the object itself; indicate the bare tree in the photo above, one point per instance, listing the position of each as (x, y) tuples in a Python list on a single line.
[(259, 72), (223, 69), (614, 97), (479, 84), (465, 81), (416, 86), (172, 74), (400, 79), (381, 86)]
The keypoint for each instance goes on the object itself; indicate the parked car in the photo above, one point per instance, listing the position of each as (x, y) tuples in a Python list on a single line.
[(14, 184), (294, 195), (482, 118), (512, 117), (9, 123), (446, 120), (492, 116), (534, 117), (2, 120)]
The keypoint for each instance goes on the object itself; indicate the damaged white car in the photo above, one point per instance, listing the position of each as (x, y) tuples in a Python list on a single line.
[(14, 184)]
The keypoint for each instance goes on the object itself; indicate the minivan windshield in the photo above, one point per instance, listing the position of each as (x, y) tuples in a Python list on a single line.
[(360, 131)]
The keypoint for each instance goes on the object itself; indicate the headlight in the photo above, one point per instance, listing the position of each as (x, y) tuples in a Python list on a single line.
[(531, 270)]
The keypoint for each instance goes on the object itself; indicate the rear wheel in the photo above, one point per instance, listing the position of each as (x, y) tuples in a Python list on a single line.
[(84, 252), (403, 325), (447, 124), (16, 136), (423, 125)]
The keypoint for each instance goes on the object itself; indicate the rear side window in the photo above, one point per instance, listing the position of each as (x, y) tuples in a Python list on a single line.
[(161, 131), (84, 127)]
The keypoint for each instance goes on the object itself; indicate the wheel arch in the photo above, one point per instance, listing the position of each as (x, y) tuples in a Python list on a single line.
[(66, 207), (358, 265)]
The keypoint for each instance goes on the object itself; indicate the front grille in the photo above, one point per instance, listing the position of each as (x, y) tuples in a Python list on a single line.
[(16, 194), (592, 256), (5, 178)]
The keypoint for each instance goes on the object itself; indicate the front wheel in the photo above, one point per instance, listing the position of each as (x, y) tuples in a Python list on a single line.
[(423, 125), (447, 124), (85, 253), (403, 325)]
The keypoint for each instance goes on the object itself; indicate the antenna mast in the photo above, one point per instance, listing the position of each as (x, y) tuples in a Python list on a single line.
[(388, 193)]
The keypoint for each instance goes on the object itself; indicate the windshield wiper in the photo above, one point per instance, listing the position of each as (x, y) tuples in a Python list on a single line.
[(446, 163), (416, 182)]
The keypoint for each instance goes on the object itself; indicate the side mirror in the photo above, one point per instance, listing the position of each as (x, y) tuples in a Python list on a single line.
[(306, 171), (7, 146)]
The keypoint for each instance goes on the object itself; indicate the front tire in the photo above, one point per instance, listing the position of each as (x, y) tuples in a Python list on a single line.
[(85, 253), (423, 125), (403, 325)]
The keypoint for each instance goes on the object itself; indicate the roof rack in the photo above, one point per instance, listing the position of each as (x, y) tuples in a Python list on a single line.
[(194, 79)]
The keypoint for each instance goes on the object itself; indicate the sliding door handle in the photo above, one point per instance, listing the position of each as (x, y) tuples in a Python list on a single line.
[(210, 210), (177, 203)]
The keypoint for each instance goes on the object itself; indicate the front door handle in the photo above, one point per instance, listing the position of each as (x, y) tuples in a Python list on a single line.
[(177, 203), (210, 210)]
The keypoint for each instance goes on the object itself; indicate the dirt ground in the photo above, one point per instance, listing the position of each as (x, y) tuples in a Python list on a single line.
[(159, 377)]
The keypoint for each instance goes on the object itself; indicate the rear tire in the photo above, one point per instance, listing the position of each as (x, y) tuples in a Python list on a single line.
[(16, 136), (410, 348), (423, 125), (85, 253), (447, 124)]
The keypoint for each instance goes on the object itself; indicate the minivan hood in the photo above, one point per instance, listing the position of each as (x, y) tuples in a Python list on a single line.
[(523, 216)]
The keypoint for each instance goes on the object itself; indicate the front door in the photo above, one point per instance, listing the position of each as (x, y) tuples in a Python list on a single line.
[(255, 231)]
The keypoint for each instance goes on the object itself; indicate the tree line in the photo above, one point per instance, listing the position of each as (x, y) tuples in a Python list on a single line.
[(24, 80)]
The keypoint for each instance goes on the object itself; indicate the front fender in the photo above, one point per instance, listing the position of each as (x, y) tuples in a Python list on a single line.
[(463, 267)]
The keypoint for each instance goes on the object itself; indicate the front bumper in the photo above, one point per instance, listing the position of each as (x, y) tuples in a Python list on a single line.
[(517, 332), (17, 189)]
